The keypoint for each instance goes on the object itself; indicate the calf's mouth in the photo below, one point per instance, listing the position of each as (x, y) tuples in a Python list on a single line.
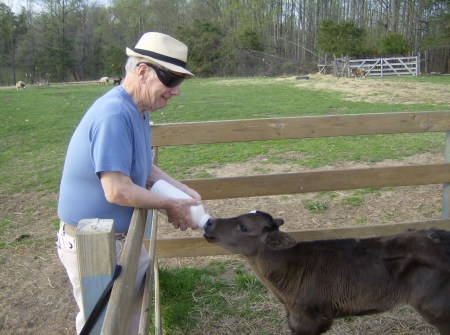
[(209, 238), (207, 235)]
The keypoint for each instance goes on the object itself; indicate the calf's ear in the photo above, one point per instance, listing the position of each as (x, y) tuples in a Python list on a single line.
[(275, 223), (270, 221), (278, 240), (278, 222)]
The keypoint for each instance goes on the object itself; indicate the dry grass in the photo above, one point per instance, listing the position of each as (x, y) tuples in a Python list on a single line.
[(378, 91)]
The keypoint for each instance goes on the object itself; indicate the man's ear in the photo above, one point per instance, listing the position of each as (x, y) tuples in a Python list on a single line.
[(278, 240)]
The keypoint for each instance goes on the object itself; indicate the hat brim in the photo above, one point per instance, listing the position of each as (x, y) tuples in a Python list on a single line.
[(169, 66)]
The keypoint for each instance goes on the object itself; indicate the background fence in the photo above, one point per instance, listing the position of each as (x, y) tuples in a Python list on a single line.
[(376, 67)]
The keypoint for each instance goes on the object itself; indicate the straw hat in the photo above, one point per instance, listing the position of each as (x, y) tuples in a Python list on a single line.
[(162, 50)]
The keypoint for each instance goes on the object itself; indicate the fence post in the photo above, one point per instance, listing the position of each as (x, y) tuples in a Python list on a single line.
[(119, 304), (96, 250), (446, 187), (418, 65), (335, 70), (144, 323)]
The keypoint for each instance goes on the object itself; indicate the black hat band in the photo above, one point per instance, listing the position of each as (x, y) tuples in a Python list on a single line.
[(160, 57)]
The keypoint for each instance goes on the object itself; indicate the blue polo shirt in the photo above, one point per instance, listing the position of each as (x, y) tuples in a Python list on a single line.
[(111, 136)]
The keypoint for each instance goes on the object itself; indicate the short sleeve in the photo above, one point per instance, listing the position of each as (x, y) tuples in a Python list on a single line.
[(111, 145)]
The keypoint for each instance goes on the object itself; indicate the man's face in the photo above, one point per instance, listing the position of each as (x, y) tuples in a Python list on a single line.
[(154, 93)]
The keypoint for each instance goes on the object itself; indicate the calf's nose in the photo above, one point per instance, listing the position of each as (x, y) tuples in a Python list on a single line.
[(208, 223)]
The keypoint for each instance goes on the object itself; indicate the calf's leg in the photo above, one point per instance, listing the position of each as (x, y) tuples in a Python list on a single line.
[(444, 328), (430, 296)]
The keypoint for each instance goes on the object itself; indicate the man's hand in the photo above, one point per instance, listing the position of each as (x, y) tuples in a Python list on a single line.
[(179, 214)]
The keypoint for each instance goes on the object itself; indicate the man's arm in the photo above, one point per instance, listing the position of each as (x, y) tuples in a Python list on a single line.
[(119, 189)]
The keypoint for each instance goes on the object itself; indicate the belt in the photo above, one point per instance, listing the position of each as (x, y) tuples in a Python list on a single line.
[(71, 231)]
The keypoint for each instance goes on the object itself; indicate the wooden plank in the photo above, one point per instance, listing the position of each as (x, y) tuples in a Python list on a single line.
[(298, 127), (446, 186), (318, 181), (118, 310), (144, 322), (158, 316), (96, 262), (198, 246)]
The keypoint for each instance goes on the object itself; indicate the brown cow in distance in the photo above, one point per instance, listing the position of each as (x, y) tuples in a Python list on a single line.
[(359, 72), (318, 281)]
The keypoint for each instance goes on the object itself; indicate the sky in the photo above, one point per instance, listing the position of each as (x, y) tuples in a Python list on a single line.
[(15, 5)]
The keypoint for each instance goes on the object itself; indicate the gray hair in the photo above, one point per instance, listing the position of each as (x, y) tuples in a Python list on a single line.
[(132, 63)]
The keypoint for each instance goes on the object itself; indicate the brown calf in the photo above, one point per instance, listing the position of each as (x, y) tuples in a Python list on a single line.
[(358, 72), (318, 281)]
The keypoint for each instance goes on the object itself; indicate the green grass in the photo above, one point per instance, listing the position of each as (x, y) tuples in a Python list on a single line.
[(195, 296), (354, 200), (315, 152), (37, 124), (223, 99), (189, 292), (316, 206)]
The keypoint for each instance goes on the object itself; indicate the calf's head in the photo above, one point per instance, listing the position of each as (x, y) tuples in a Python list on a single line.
[(247, 233)]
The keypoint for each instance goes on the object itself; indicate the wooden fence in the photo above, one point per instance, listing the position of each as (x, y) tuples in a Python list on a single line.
[(277, 184)]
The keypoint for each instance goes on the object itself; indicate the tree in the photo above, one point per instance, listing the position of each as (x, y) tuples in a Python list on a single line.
[(394, 44), (133, 18), (340, 38), (82, 40), (115, 61), (250, 39), (206, 54), (12, 27), (61, 19)]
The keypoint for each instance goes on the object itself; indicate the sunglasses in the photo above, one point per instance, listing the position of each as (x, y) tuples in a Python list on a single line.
[(166, 77)]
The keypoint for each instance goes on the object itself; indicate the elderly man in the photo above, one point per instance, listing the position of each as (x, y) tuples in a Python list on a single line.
[(109, 160)]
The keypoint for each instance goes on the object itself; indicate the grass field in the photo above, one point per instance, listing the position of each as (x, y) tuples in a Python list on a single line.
[(36, 125)]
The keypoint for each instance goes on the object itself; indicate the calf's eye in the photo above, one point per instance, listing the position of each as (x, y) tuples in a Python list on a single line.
[(243, 228)]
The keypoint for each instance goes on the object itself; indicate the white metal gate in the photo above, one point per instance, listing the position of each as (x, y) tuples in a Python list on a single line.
[(394, 66)]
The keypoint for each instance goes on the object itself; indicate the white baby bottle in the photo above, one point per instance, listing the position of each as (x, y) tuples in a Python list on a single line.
[(161, 187)]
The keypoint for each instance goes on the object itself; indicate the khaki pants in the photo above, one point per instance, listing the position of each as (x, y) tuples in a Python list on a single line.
[(68, 256)]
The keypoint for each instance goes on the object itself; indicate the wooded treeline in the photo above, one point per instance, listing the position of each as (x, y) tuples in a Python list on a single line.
[(66, 40)]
